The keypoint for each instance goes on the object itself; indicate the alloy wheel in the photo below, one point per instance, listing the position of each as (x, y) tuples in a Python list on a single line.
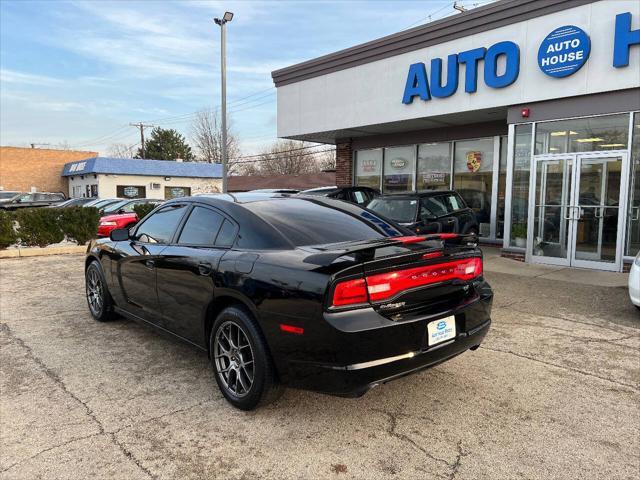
[(95, 292), (233, 359)]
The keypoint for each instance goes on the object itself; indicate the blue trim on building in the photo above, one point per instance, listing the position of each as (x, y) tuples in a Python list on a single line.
[(128, 166)]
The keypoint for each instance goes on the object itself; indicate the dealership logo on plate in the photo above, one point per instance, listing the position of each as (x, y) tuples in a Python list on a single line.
[(564, 51)]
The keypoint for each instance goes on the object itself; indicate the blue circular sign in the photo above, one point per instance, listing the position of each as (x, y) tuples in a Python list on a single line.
[(564, 51)]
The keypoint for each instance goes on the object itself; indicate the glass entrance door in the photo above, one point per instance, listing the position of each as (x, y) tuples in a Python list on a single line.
[(549, 240), (577, 210), (596, 212)]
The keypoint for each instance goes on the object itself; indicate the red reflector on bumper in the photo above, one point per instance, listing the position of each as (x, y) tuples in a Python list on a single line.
[(291, 329)]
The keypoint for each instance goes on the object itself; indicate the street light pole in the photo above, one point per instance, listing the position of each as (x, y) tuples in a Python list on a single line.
[(221, 22)]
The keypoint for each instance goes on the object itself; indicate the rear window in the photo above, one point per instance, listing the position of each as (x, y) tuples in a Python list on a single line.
[(401, 210), (304, 222)]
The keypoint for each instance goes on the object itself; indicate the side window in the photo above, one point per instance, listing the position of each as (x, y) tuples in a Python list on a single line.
[(227, 234), (432, 207), (453, 202), (159, 227), (201, 227), (129, 207)]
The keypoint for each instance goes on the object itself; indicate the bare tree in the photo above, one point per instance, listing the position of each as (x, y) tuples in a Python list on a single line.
[(121, 150), (63, 145), (289, 157), (207, 138)]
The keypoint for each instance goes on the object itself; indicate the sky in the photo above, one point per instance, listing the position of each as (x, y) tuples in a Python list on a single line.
[(76, 73)]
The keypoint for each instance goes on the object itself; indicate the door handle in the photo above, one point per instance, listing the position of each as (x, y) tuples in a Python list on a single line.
[(205, 269), (636, 216), (569, 210), (150, 264)]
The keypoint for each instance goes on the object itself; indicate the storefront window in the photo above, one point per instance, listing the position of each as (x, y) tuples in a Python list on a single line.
[(176, 192), (520, 185), (598, 134), (633, 227), (473, 178), (131, 191), (399, 169), (368, 168), (502, 186), (434, 166)]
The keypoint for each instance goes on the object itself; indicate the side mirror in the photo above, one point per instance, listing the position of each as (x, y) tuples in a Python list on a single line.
[(121, 211), (119, 235)]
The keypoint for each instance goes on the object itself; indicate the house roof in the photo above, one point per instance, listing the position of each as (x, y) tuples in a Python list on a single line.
[(244, 183), (132, 166)]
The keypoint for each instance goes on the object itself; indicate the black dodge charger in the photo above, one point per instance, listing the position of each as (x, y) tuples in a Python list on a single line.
[(306, 292)]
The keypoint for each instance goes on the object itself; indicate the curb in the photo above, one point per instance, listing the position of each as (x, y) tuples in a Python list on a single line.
[(39, 251)]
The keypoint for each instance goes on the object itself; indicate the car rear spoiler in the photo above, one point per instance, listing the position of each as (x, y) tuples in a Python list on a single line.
[(438, 241)]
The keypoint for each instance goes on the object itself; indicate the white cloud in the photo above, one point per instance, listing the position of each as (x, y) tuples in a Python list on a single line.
[(12, 76)]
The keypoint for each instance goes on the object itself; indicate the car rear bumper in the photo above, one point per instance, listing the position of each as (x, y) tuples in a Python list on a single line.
[(356, 379), (368, 355)]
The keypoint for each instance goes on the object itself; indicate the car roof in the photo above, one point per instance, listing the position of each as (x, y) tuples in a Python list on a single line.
[(430, 193)]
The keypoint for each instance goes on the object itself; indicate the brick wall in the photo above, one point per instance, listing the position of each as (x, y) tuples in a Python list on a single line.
[(24, 168), (344, 164)]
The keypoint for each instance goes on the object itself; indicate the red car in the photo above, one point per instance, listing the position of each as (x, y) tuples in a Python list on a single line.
[(111, 222)]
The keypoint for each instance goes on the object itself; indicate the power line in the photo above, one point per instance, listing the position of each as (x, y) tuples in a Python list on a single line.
[(275, 154)]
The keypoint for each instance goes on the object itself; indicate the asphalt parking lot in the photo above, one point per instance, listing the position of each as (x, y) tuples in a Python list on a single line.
[(554, 392)]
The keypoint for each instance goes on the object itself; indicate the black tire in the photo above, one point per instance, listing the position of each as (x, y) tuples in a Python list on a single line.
[(259, 371), (98, 297)]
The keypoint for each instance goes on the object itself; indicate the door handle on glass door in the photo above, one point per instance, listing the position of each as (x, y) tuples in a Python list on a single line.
[(204, 269)]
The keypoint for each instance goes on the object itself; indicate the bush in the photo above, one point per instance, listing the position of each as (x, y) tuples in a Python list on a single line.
[(79, 223), (39, 226), (8, 235), (143, 209)]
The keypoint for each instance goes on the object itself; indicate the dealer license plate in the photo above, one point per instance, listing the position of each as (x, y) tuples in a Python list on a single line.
[(441, 330)]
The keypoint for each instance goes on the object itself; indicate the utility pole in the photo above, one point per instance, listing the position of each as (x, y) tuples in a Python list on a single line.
[(221, 22), (141, 126)]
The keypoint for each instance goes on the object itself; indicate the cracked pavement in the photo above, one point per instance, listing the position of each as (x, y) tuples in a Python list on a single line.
[(553, 393)]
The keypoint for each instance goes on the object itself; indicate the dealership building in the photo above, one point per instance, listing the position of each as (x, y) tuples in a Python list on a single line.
[(140, 178), (529, 109)]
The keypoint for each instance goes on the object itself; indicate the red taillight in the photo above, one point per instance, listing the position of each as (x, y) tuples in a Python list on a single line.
[(386, 285), (350, 292)]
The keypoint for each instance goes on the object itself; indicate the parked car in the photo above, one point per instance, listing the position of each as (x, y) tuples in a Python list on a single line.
[(275, 190), (119, 220), (121, 215), (102, 203), (37, 199), (307, 292), (73, 202), (358, 195), (8, 195), (634, 282), (427, 212), (126, 206)]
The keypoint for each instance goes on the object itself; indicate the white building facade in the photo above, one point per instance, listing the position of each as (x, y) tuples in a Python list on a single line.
[(135, 178), (529, 109)]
